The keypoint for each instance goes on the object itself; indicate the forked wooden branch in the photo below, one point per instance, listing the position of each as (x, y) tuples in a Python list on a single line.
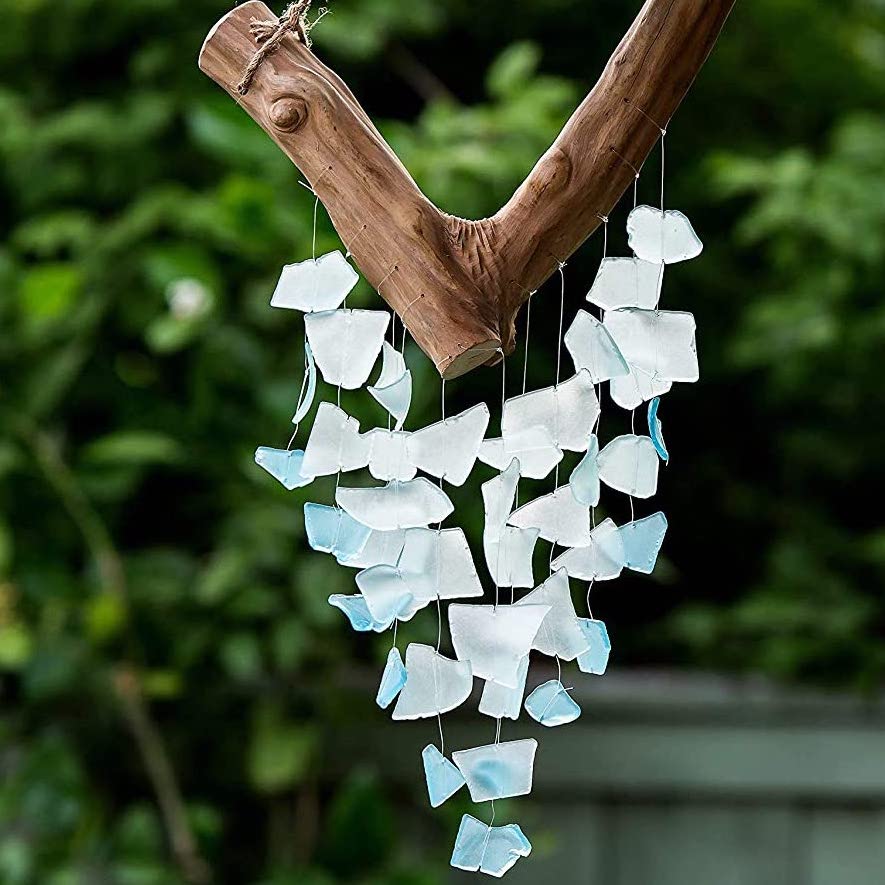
[(458, 284)]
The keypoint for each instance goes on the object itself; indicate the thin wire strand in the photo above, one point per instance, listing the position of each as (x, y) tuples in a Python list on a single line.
[(556, 386), (497, 574)]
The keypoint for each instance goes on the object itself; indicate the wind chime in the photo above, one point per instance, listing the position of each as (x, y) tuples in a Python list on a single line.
[(457, 286)]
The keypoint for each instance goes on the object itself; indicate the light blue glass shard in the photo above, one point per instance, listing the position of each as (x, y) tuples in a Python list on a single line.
[(387, 455), (381, 548), (509, 558), (392, 679), (627, 282), (659, 236), (660, 343), (560, 633), (448, 449), (595, 659), (498, 495), (584, 481), (386, 593), (629, 464), (335, 443), (533, 448), (331, 530), (558, 517), (442, 776), (501, 702), (309, 392), (436, 684), (551, 705), (393, 389), (346, 343), (480, 848), (398, 505), (642, 542), (357, 612), (593, 348), (498, 771), (655, 431), (284, 466), (315, 284), (636, 388), (438, 563), (601, 560)]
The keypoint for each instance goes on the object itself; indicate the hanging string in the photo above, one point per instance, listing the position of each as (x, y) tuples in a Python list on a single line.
[(395, 625), (556, 386), (589, 588), (497, 575)]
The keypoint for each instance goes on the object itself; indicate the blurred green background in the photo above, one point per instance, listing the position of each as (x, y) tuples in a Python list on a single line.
[(163, 628)]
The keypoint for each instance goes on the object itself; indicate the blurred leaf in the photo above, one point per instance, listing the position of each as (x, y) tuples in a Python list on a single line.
[(133, 447), (280, 752)]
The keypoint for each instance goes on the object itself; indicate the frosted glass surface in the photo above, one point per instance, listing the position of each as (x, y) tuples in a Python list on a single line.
[(655, 431), (442, 776), (498, 495), (386, 593), (490, 850), (627, 282), (393, 389), (593, 348), (381, 548), (398, 505), (629, 464), (392, 679), (448, 449), (495, 640), (387, 454), (500, 701), (595, 659), (601, 560), (558, 516), (509, 558), (642, 542), (533, 448), (436, 684), (306, 401), (660, 343), (636, 388), (357, 612), (498, 771), (331, 530), (551, 705), (312, 285), (662, 236), (560, 633), (335, 443), (439, 563), (284, 466), (346, 343), (584, 481)]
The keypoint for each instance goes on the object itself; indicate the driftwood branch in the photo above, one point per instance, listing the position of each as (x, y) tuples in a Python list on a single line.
[(459, 284)]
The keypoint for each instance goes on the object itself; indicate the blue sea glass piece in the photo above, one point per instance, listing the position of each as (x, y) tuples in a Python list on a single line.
[(593, 348), (382, 548), (480, 848), (316, 284), (595, 659), (654, 430), (502, 702), (584, 481), (308, 394), (601, 560), (331, 530), (284, 466), (662, 236), (358, 613), (442, 776), (386, 593), (642, 542), (551, 705), (392, 679), (498, 771)]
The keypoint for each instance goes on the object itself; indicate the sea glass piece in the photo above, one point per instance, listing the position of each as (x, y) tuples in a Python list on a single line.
[(346, 343), (601, 560), (509, 558), (438, 564), (357, 612), (331, 530), (629, 464), (660, 343), (436, 684), (305, 401), (448, 449), (386, 593), (381, 548), (658, 236), (502, 702), (533, 448), (627, 282), (558, 516), (495, 639), (593, 348), (392, 679), (335, 443), (387, 455), (584, 481), (552, 705), (397, 505), (284, 466), (498, 495), (568, 410), (595, 659), (642, 540), (442, 776), (636, 388), (560, 634), (498, 771), (480, 848), (655, 431), (315, 284), (393, 389)]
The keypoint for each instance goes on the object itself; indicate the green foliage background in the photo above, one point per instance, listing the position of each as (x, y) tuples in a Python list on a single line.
[(144, 219)]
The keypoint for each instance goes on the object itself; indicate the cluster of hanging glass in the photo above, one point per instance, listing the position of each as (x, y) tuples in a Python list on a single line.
[(403, 564)]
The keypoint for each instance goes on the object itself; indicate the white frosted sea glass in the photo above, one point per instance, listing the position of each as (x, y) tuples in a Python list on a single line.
[(436, 684), (601, 560), (438, 563), (480, 848), (386, 593), (593, 348), (659, 236), (627, 282), (636, 388), (560, 634), (284, 466), (346, 343), (442, 776), (387, 454), (584, 481), (393, 389), (357, 612), (315, 284), (509, 558), (660, 343), (392, 679), (551, 705), (629, 464), (498, 495), (500, 701), (448, 449), (642, 540), (558, 516), (334, 443), (381, 548), (331, 530), (306, 400), (498, 771), (595, 659), (397, 505), (533, 448), (655, 431)]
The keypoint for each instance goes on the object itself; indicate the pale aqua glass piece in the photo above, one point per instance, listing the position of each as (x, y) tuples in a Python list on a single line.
[(306, 400), (660, 343), (627, 282), (331, 530), (480, 848), (436, 684), (560, 634), (659, 236), (584, 481), (509, 558), (498, 495), (655, 431), (397, 505), (438, 563), (642, 540), (629, 464), (636, 388), (558, 517), (448, 449), (393, 389), (500, 701), (442, 776), (387, 455), (593, 348), (595, 659), (601, 560), (552, 705), (357, 612), (568, 410), (498, 771), (315, 284), (335, 443), (284, 466), (495, 639), (346, 343), (392, 679), (533, 448), (381, 548), (386, 593)]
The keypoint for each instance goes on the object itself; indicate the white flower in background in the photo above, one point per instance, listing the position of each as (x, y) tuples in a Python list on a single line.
[(188, 298)]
